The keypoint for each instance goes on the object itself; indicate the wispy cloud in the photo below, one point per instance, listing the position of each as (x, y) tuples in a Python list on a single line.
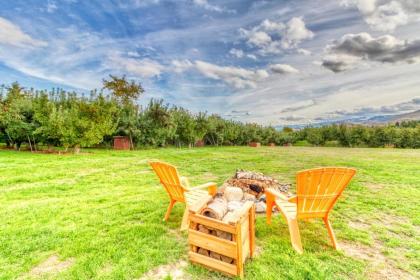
[(211, 7), (12, 35)]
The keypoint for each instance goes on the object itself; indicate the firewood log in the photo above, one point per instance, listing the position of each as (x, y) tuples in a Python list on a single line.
[(203, 252), (224, 235), (215, 209), (203, 229), (233, 194), (226, 259), (215, 255), (248, 196), (234, 205)]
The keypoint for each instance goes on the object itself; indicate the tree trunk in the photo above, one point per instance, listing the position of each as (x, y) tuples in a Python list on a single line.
[(131, 142), (77, 149), (30, 144)]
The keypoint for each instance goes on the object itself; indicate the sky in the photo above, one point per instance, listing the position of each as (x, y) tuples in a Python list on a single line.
[(270, 62)]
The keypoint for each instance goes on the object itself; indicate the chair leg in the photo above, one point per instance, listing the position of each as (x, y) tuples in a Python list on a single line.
[(168, 212), (331, 232), (185, 223), (269, 210), (295, 235)]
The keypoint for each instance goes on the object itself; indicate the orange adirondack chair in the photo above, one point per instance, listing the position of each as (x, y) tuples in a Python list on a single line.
[(179, 189), (317, 190)]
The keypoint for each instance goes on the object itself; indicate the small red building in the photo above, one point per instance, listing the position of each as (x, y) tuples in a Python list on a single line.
[(121, 143)]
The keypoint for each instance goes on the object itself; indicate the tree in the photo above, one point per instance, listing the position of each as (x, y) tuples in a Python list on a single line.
[(157, 124), (126, 93), (17, 116), (315, 136), (185, 127), (84, 124)]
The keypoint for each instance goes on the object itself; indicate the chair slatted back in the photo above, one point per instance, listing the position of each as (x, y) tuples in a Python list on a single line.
[(318, 189), (169, 177)]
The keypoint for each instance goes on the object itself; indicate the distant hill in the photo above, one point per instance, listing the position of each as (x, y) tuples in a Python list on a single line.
[(394, 118), (379, 119), (408, 116)]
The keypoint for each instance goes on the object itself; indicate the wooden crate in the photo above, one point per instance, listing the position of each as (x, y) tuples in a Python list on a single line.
[(254, 144), (239, 249)]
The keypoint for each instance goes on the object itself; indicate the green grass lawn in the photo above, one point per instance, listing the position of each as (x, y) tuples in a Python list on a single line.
[(100, 213)]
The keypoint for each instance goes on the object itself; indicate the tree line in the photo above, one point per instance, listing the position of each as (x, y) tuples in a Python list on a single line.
[(70, 120)]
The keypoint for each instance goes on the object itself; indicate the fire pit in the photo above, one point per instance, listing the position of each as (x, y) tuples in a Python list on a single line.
[(252, 186)]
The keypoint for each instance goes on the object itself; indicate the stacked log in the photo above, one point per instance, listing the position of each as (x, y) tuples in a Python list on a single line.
[(228, 203), (216, 209)]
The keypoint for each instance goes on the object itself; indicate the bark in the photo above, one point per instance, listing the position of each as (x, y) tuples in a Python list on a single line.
[(30, 144), (216, 209)]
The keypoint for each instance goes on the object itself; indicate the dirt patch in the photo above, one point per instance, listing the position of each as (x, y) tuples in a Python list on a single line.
[(258, 251), (379, 266), (52, 265), (374, 187), (173, 271), (388, 272), (359, 224), (105, 270), (176, 233)]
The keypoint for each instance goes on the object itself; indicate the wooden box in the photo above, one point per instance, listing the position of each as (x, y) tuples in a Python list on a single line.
[(121, 143), (254, 144), (241, 231)]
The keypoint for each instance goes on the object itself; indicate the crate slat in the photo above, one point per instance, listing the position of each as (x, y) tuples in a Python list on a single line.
[(213, 223), (212, 243), (213, 263)]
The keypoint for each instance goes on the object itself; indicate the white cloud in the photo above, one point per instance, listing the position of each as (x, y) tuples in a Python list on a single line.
[(271, 37), (272, 26), (304, 52), (146, 68), (214, 8), (179, 66), (295, 33), (237, 53), (256, 38), (251, 56), (386, 15), (283, 69), (351, 48), (235, 76), (12, 35), (51, 7), (141, 3)]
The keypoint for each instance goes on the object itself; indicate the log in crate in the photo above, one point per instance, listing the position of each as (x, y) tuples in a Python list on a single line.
[(225, 245)]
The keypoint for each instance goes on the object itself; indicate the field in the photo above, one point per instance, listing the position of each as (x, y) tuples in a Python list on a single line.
[(98, 215)]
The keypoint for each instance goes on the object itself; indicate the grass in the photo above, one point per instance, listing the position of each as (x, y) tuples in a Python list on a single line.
[(103, 211)]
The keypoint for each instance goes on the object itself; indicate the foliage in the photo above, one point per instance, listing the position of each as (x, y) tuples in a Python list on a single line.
[(60, 118)]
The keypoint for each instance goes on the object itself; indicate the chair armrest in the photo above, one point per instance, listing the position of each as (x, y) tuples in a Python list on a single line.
[(211, 187), (271, 192), (184, 181)]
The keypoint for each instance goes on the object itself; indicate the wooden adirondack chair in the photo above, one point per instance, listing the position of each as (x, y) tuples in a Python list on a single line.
[(179, 190), (317, 190)]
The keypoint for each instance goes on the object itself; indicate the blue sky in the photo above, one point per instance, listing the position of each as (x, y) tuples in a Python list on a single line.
[(271, 62)]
